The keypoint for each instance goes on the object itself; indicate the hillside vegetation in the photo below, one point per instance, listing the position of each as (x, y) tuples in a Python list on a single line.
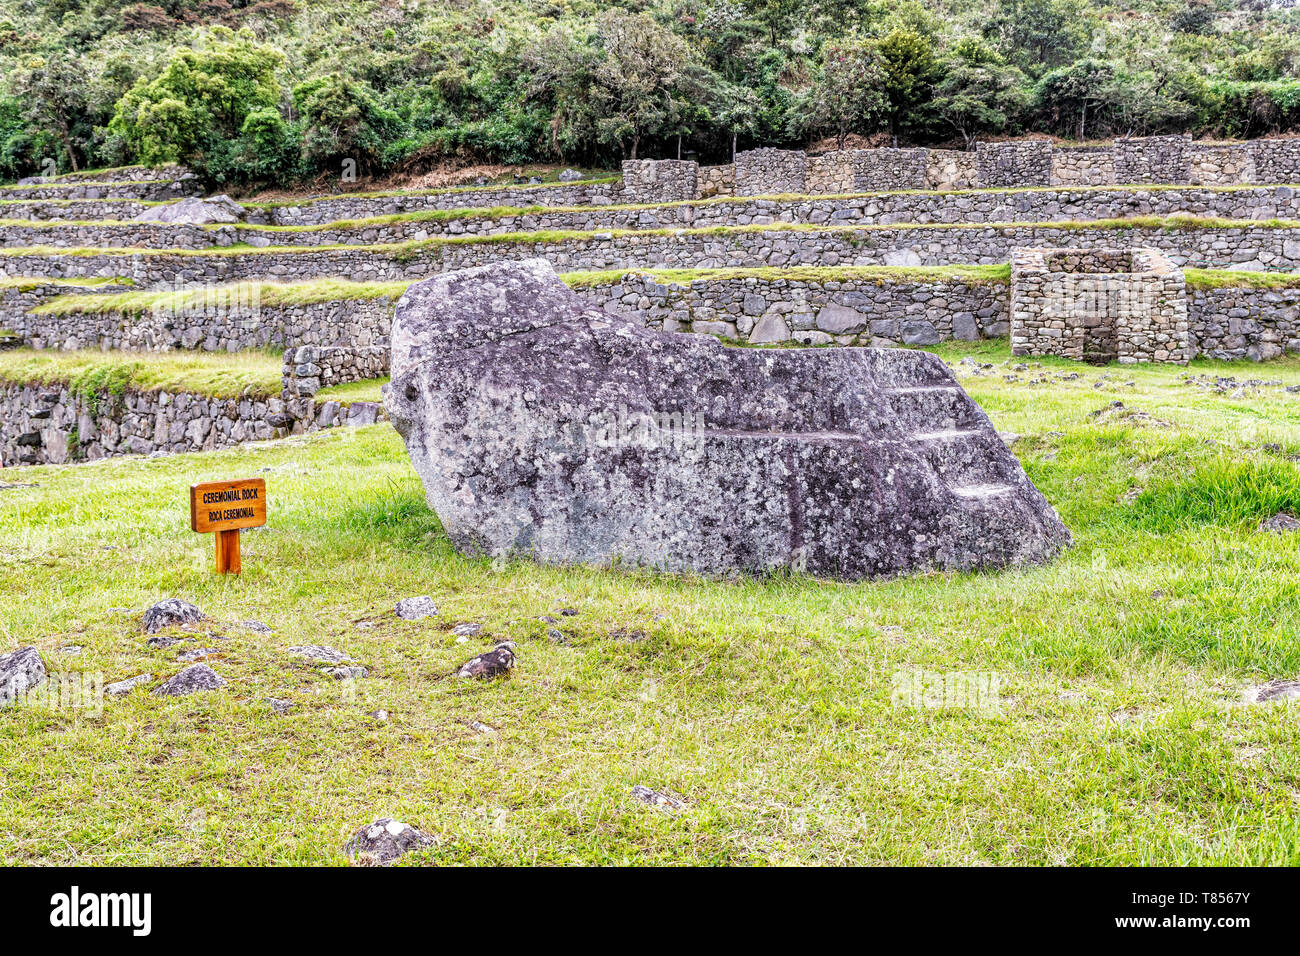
[(279, 92)]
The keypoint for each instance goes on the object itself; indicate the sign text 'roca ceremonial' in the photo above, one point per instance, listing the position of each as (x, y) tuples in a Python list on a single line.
[(225, 507)]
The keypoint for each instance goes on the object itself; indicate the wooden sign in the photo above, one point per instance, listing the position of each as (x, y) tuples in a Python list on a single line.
[(224, 507)]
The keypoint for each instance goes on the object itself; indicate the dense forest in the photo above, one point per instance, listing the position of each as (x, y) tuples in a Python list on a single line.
[(284, 91)]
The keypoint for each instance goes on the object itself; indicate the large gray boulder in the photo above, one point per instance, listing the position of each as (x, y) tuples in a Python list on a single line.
[(543, 427), (195, 210)]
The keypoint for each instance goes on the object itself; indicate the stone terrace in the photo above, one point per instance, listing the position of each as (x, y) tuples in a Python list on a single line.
[(853, 247)]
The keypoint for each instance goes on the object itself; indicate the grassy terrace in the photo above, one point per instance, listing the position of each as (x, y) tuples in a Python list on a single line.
[(215, 374), (218, 374), (273, 294), (26, 283), (777, 196), (501, 212), (766, 703), (448, 190), (411, 248)]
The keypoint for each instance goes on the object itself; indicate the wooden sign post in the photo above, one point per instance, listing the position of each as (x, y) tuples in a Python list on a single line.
[(225, 507)]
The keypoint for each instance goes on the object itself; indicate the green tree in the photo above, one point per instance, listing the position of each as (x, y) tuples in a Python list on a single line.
[(1038, 35), (342, 119), (1069, 98), (908, 62), (978, 92), (53, 94), (777, 16), (735, 110), (633, 83), (196, 107), (850, 95)]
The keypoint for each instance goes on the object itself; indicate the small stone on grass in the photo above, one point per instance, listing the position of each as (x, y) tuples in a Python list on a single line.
[(171, 612), (194, 678), (125, 686), (415, 608), (656, 798), (1280, 523), (319, 652), (20, 671), (383, 841)]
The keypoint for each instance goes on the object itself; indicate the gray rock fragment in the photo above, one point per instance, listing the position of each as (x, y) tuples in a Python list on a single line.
[(196, 677), (171, 612), (122, 687), (345, 673), (195, 210), (383, 841), (656, 798), (495, 663), (20, 671), (415, 608), (319, 652), (1280, 523), (1278, 691)]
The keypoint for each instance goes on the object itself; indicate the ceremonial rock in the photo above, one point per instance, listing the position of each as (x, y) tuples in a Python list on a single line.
[(542, 427)]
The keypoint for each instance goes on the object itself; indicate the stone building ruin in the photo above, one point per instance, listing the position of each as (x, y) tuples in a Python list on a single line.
[(1099, 305)]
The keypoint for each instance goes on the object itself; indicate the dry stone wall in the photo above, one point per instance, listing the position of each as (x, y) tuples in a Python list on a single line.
[(1220, 164), (51, 424), (361, 206), (761, 172), (1153, 159), (994, 206), (659, 181), (1099, 305), (1276, 160), (233, 322), (167, 172), (951, 169), (1230, 323), (1083, 166), (717, 180), (1243, 322), (72, 210), (866, 170), (1245, 246), (309, 368), (1015, 163), (848, 311), (156, 190)]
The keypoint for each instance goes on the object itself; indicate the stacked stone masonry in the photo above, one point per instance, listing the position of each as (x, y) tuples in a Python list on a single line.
[(168, 172), (1275, 160), (766, 172), (1098, 305), (51, 424), (992, 206), (1200, 245), (951, 169), (1083, 166), (152, 190), (232, 321), (1015, 163), (717, 180), (1153, 159), (309, 368), (1229, 323), (659, 181)]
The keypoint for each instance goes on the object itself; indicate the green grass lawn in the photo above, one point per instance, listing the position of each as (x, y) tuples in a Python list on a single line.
[(766, 704)]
